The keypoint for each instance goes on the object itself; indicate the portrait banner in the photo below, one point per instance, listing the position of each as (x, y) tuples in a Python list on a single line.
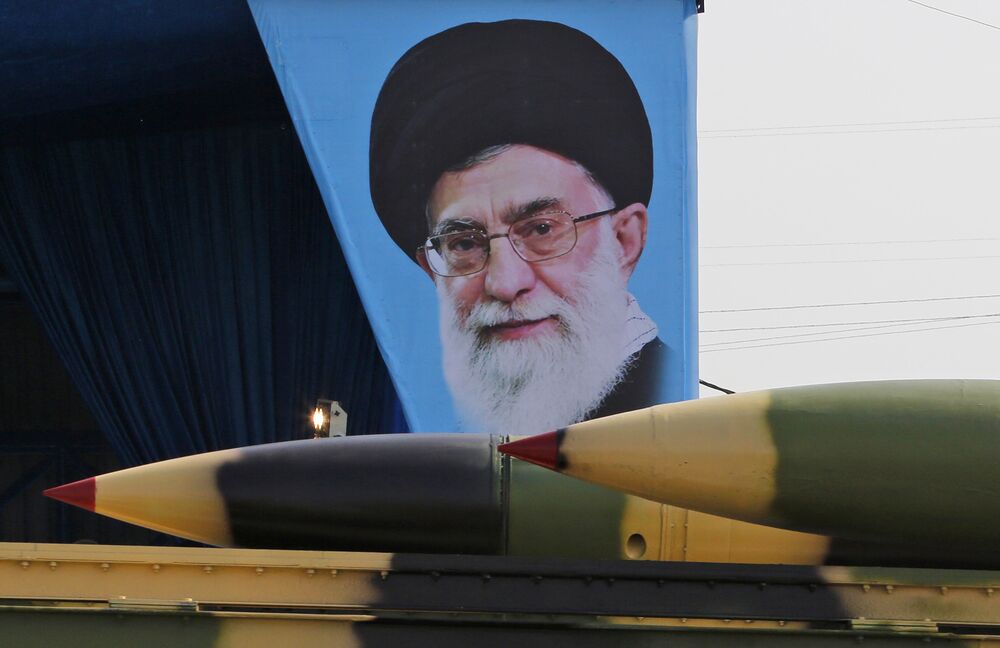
[(513, 185)]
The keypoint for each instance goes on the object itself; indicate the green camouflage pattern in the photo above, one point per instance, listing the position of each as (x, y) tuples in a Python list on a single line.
[(881, 442)]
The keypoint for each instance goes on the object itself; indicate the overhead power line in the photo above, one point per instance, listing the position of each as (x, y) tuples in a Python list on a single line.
[(863, 303), (951, 13), (911, 320), (849, 132), (848, 330), (846, 243), (848, 125), (841, 261), (848, 337)]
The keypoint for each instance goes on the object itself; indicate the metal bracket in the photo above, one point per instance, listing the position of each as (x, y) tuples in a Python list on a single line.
[(885, 625), (124, 603)]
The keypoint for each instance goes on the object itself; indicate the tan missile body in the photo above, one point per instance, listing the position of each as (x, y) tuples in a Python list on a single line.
[(420, 493), (915, 463)]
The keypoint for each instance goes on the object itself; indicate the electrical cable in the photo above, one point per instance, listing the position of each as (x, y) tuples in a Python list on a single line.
[(845, 243), (848, 337), (850, 125), (864, 303), (841, 261), (980, 22), (850, 132), (911, 320), (847, 330), (715, 387)]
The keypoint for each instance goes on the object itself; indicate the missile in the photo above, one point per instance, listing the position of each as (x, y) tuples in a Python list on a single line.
[(427, 493), (913, 463), (435, 493)]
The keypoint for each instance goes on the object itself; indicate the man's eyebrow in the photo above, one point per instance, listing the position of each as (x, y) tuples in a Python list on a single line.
[(510, 215), (449, 225), (517, 212)]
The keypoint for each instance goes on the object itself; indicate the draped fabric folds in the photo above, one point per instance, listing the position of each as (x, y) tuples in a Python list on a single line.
[(193, 286)]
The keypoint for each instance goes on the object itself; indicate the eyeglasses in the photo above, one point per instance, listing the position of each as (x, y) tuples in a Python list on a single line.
[(539, 237)]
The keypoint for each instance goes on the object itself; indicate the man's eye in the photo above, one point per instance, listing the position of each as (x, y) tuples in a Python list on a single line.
[(463, 243), (536, 227)]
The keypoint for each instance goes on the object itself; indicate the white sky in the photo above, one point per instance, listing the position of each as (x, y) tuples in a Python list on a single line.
[(783, 64)]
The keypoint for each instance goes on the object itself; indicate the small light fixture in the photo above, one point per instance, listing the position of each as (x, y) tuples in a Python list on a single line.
[(328, 419), (320, 421)]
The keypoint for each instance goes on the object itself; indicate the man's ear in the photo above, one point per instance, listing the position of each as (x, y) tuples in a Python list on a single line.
[(629, 226), (421, 258)]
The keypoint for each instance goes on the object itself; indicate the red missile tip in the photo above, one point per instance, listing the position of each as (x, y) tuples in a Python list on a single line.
[(541, 450), (81, 493)]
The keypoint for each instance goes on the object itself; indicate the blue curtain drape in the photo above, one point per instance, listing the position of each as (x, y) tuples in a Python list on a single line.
[(193, 286)]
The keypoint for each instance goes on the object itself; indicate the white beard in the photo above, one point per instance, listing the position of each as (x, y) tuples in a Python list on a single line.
[(546, 381)]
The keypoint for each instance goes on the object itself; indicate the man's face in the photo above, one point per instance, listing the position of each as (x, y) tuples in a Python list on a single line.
[(534, 345), (520, 182)]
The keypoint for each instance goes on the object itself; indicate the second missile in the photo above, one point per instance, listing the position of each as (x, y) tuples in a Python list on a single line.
[(913, 463)]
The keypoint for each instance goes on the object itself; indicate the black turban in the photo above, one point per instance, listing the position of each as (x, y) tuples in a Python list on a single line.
[(511, 82)]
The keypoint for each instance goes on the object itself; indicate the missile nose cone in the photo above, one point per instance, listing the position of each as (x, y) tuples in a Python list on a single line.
[(79, 493), (541, 450)]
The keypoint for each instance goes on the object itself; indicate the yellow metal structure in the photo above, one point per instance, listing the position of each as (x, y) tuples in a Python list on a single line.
[(87, 595)]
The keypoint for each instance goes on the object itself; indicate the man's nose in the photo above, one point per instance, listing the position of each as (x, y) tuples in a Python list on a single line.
[(507, 274)]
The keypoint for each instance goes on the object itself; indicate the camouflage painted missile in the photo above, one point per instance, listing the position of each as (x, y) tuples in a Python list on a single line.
[(416, 493), (433, 493), (915, 463), (392, 492)]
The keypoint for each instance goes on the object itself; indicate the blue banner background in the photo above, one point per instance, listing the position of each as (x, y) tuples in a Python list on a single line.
[(331, 58)]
